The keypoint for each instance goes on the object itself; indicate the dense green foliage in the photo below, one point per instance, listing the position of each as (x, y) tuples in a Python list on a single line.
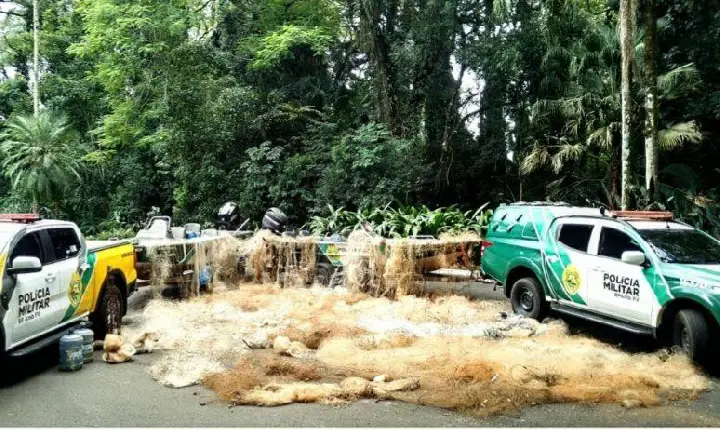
[(301, 104), (404, 221)]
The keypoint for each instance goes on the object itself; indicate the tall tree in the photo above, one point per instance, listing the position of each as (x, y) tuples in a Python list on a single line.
[(185, 103), (651, 101), (36, 57), (627, 30)]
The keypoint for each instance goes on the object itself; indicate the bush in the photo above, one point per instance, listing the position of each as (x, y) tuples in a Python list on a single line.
[(119, 233), (405, 221), (111, 229)]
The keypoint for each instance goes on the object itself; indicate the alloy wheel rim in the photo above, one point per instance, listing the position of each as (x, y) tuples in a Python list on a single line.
[(526, 300)]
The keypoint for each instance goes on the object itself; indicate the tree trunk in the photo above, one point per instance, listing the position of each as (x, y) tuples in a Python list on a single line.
[(377, 22), (615, 171), (651, 108), (627, 29), (36, 57), (493, 126), (441, 92)]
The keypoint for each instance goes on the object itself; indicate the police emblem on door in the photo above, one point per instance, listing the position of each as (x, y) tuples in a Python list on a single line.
[(571, 279), (75, 291)]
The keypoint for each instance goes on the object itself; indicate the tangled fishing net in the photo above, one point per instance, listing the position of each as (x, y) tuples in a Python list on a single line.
[(261, 345), (186, 262), (396, 267), (285, 260), (371, 264)]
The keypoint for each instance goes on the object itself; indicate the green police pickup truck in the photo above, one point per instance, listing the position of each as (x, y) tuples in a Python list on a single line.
[(643, 272)]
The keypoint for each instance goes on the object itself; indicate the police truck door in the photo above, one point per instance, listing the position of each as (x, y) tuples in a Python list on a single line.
[(29, 310), (616, 288), (566, 259), (65, 246)]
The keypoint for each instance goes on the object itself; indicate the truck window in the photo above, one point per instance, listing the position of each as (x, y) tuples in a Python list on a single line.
[(576, 236), (683, 246), (28, 246), (614, 242), (65, 243)]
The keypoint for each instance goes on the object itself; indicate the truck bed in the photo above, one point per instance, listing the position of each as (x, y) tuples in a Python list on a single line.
[(99, 245), (160, 243)]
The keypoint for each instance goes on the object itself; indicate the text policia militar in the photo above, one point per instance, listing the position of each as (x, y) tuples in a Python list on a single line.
[(623, 286), (30, 304)]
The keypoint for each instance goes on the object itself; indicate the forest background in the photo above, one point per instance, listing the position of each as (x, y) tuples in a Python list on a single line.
[(301, 104)]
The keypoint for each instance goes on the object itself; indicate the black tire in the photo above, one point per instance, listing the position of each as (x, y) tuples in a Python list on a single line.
[(692, 334), (5, 364), (324, 274), (108, 316), (240, 268), (528, 299)]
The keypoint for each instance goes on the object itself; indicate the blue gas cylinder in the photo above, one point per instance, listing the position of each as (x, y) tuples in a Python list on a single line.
[(87, 345), (71, 352), (205, 275)]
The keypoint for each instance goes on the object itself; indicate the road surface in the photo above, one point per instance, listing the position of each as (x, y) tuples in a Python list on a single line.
[(124, 395)]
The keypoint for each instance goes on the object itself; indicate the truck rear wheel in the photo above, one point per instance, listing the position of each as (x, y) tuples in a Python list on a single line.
[(692, 334), (528, 299), (108, 316)]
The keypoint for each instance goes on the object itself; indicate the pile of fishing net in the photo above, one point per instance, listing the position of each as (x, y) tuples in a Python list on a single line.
[(259, 344)]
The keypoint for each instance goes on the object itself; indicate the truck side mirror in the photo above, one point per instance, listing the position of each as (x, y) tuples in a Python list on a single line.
[(636, 258), (24, 264)]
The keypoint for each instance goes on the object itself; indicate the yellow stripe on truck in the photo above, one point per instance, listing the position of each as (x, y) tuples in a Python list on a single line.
[(114, 258)]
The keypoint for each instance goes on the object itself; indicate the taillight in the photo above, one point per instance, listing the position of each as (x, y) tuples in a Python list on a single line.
[(485, 245)]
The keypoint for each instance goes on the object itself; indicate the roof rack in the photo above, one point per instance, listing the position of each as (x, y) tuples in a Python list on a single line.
[(24, 218), (654, 215)]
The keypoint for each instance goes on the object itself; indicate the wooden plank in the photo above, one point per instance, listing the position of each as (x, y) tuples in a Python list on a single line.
[(643, 215)]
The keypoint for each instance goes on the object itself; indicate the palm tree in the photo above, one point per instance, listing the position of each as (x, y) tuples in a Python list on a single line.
[(627, 30), (39, 156), (651, 101), (590, 108)]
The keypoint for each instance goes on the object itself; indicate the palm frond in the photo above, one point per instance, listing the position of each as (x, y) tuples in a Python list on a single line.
[(39, 156), (568, 152), (501, 8), (683, 77), (533, 161), (679, 134), (603, 136)]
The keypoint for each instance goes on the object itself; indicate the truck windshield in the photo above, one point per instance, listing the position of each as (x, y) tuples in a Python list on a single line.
[(5, 237), (683, 246)]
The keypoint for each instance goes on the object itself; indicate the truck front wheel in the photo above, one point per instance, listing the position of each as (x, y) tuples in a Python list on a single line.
[(692, 334), (528, 299)]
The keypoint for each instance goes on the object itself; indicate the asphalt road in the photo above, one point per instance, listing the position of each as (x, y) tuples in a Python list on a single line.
[(123, 395)]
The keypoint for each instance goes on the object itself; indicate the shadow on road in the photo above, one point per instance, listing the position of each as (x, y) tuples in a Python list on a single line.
[(16, 371), (19, 369)]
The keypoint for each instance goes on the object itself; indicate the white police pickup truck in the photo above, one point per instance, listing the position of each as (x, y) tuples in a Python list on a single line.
[(52, 279)]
